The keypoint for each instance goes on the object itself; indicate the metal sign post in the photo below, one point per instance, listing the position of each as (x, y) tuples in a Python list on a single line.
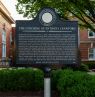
[(47, 87), (47, 82), (46, 41)]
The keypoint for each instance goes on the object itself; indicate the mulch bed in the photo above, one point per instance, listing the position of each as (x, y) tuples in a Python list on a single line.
[(26, 94)]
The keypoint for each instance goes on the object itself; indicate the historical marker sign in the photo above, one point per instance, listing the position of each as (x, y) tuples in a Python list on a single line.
[(46, 40)]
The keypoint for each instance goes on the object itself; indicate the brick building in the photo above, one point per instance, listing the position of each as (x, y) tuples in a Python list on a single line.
[(7, 43), (87, 45), (6, 22)]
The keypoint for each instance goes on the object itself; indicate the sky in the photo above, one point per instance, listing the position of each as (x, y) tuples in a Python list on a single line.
[(10, 5)]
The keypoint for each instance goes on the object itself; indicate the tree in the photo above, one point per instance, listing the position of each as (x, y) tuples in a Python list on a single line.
[(84, 10)]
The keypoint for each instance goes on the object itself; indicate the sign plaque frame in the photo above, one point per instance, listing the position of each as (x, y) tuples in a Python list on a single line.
[(46, 41)]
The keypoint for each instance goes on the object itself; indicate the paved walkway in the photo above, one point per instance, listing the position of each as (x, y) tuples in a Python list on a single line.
[(91, 73)]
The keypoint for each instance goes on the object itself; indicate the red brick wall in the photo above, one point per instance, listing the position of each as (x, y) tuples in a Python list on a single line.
[(83, 35), (8, 30), (5, 25), (85, 44), (0, 41), (8, 42), (84, 50)]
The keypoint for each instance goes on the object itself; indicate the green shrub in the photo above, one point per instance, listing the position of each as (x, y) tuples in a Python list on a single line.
[(68, 82), (83, 67), (76, 84), (55, 75), (21, 80), (91, 66)]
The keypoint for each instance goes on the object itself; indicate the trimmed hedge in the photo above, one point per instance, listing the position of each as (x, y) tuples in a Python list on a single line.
[(21, 80), (69, 83), (76, 84), (55, 76), (81, 67)]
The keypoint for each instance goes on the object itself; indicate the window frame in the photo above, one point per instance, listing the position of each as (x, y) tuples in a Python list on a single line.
[(92, 32), (3, 44), (91, 53)]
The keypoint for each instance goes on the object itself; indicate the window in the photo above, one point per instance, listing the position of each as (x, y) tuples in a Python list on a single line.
[(91, 34), (4, 50), (3, 44), (91, 53)]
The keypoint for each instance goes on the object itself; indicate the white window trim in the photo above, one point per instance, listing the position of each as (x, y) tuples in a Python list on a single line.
[(3, 44), (91, 59), (91, 36)]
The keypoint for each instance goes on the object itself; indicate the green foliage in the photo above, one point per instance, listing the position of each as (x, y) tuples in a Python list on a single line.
[(68, 82), (21, 80), (55, 75), (91, 65), (84, 10), (83, 67), (76, 84)]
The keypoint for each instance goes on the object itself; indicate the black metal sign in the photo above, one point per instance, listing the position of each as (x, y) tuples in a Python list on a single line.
[(46, 40)]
